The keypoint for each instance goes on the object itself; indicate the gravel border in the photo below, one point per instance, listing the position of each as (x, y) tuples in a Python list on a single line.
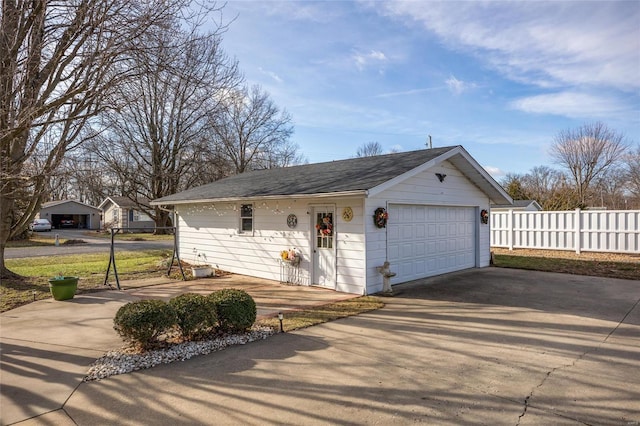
[(119, 362)]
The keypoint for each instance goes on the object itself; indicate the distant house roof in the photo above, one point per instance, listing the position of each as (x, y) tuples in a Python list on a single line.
[(120, 202), (519, 205), (361, 176), (49, 204)]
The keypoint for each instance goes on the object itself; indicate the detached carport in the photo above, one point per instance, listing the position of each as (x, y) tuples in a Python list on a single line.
[(83, 215)]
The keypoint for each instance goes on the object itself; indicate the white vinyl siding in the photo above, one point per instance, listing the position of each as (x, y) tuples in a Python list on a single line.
[(350, 248), (212, 229)]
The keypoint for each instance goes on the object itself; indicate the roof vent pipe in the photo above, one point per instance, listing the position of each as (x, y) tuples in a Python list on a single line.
[(430, 143)]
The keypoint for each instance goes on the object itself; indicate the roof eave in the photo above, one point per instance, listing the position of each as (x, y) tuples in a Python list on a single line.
[(484, 181), (358, 193)]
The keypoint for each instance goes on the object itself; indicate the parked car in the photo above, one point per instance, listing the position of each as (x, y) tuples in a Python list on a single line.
[(40, 225), (67, 223)]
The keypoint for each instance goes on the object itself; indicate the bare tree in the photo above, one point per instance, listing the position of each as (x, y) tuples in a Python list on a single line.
[(632, 166), (369, 149), (152, 139), (514, 185), (251, 130), (543, 184), (81, 176), (56, 64), (608, 190), (587, 153)]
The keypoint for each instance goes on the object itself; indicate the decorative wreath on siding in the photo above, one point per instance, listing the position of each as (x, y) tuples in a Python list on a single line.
[(484, 216), (380, 217)]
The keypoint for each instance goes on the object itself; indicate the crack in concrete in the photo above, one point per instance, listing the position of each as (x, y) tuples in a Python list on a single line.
[(578, 358)]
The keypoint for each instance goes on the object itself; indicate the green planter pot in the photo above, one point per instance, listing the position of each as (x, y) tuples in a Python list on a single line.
[(63, 288)]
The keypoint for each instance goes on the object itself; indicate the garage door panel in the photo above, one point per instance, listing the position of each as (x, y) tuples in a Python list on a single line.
[(393, 232), (394, 251), (431, 240), (406, 250), (406, 268), (407, 232)]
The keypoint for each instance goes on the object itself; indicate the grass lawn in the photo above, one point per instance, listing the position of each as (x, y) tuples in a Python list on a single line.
[(133, 236), (90, 268), (325, 313), (37, 240), (593, 264)]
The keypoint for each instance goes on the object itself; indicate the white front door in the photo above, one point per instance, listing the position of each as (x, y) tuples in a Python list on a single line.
[(324, 258)]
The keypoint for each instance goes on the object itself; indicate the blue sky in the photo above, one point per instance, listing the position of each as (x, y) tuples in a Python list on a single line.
[(500, 78)]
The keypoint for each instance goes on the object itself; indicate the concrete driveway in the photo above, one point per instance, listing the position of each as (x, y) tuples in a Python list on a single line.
[(491, 346)]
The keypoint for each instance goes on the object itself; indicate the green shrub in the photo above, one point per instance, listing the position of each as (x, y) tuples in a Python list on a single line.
[(235, 308), (196, 314), (143, 321)]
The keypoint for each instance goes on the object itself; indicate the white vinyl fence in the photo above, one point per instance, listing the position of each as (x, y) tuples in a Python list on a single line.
[(615, 231)]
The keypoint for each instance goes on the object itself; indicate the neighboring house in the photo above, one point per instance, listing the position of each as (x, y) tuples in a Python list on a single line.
[(434, 201), (518, 205), (121, 212), (70, 214)]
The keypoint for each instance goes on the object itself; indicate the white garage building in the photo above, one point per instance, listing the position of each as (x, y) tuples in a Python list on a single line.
[(70, 213), (423, 211)]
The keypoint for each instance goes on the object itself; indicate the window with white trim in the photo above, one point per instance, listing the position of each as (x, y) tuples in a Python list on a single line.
[(246, 218)]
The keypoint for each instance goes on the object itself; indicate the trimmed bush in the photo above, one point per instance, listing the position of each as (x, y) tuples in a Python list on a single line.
[(143, 321), (196, 315), (235, 308)]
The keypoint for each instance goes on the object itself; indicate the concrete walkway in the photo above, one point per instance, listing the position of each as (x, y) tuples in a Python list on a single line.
[(47, 346), (491, 346)]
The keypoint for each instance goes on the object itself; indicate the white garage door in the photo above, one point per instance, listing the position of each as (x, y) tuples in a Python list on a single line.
[(424, 241)]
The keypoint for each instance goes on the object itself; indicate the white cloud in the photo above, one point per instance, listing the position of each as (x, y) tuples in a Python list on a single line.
[(570, 104), (271, 74), (363, 60), (407, 92), (549, 44), (495, 172), (458, 86)]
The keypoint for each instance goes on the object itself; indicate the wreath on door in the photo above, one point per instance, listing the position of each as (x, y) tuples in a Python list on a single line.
[(324, 226), (380, 217)]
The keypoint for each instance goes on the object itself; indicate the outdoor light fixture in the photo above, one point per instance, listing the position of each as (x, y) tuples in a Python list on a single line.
[(441, 176), (280, 318)]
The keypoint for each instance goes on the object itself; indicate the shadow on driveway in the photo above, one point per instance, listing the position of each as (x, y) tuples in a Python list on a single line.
[(491, 346)]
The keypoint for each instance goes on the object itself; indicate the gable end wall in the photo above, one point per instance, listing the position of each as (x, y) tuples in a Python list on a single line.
[(422, 189)]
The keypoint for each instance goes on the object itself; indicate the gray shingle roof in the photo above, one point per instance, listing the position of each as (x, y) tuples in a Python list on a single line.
[(355, 174), (516, 204), (122, 201)]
